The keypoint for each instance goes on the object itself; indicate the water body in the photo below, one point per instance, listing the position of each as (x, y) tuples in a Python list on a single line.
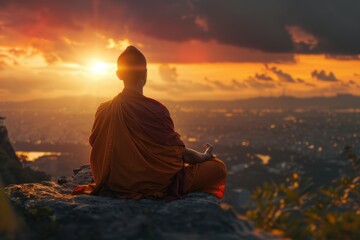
[(33, 155)]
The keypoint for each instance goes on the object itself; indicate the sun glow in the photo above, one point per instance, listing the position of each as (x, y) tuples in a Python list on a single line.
[(99, 68)]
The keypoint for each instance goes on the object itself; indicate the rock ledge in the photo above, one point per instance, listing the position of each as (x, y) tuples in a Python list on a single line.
[(51, 212)]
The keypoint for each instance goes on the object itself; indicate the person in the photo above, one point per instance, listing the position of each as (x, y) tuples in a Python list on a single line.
[(136, 153)]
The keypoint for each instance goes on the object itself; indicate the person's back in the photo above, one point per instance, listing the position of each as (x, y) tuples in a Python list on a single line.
[(136, 152), (121, 137)]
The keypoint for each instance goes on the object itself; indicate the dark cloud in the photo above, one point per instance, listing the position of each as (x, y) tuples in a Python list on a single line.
[(333, 23), (282, 76), (260, 81), (322, 76), (263, 77), (255, 24)]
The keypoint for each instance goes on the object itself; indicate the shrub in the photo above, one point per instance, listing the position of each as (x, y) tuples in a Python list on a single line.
[(296, 210)]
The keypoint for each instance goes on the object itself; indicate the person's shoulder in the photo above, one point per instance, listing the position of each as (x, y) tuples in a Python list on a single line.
[(156, 105), (103, 106)]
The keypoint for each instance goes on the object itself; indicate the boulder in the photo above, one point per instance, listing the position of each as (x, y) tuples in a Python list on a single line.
[(49, 211)]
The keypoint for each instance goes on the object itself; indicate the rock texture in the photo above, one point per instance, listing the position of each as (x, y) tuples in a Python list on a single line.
[(5, 144), (49, 211), (11, 170)]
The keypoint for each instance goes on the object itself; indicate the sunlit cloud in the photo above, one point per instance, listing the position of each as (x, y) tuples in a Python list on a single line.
[(119, 45), (195, 49)]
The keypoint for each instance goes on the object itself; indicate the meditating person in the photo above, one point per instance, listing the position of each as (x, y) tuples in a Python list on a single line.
[(136, 153)]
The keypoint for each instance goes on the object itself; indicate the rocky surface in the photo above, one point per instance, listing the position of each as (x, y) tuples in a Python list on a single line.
[(49, 211)]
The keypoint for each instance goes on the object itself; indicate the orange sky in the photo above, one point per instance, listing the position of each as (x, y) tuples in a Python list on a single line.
[(49, 50)]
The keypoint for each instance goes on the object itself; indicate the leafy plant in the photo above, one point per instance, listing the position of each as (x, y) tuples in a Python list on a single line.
[(296, 210)]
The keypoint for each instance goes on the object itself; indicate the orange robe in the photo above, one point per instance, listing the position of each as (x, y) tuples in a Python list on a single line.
[(124, 159), (136, 153)]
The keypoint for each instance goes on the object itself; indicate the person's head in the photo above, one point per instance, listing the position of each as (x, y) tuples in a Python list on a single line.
[(131, 68)]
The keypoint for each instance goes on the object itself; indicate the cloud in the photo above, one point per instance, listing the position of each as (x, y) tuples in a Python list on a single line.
[(170, 82), (238, 84), (263, 77), (322, 76), (332, 23), (282, 76), (220, 85), (340, 87), (276, 26), (167, 73), (299, 80), (353, 83), (183, 87), (343, 57), (257, 84), (233, 86)]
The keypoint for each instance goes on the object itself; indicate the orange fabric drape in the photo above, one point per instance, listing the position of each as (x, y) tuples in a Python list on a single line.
[(136, 154), (208, 176), (124, 159)]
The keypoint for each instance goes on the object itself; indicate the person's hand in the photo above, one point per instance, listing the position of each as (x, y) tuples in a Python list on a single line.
[(209, 152)]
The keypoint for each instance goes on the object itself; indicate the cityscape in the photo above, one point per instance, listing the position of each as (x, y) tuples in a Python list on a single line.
[(257, 144)]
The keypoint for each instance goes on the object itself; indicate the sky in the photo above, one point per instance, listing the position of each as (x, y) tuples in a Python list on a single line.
[(196, 49)]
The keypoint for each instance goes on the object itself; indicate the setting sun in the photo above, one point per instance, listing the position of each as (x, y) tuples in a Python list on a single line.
[(99, 68)]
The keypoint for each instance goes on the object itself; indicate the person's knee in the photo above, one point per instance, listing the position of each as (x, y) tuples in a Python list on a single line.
[(221, 168)]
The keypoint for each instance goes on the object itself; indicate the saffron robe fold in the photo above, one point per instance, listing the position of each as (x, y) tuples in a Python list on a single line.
[(135, 150)]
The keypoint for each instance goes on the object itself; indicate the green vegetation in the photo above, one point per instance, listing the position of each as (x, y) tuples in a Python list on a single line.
[(41, 219), (294, 209)]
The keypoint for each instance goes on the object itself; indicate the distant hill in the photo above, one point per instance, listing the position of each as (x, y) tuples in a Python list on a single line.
[(340, 101), (65, 103), (89, 103)]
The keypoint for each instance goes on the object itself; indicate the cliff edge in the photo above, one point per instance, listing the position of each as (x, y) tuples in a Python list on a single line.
[(49, 211), (11, 170)]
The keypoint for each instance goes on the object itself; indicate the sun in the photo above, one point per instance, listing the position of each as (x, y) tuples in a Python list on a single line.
[(99, 68)]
